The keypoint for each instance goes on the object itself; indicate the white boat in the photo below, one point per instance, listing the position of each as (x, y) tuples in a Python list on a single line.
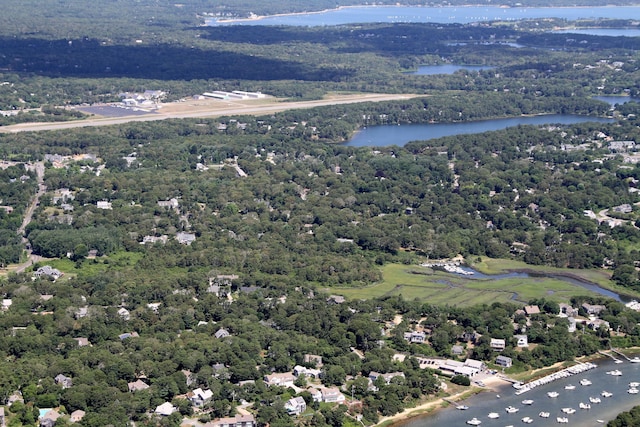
[(493, 415), (562, 420), (474, 422), (527, 402), (635, 360), (544, 414), (511, 409), (569, 387), (615, 373), (462, 407), (585, 405), (633, 390), (553, 394), (585, 381), (527, 420), (618, 361), (634, 384), (595, 400), (606, 394), (569, 411)]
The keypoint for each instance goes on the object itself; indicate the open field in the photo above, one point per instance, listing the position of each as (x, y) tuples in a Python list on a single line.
[(439, 287), (209, 108)]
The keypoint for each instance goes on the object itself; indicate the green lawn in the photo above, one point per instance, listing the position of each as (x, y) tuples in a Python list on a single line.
[(438, 287)]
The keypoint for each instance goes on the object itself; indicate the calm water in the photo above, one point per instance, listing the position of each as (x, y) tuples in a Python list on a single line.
[(613, 100), (429, 70), (583, 284), (387, 135), (484, 403), (448, 15), (611, 32)]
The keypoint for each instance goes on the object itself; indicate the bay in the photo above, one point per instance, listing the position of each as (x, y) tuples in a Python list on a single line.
[(388, 135), (438, 14), (484, 403), (610, 32)]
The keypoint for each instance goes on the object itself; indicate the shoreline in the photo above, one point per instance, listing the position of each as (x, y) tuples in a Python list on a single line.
[(213, 21), (493, 384)]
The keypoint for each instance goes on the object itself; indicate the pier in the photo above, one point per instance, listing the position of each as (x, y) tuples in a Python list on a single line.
[(572, 370), (621, 354), (611, 356)]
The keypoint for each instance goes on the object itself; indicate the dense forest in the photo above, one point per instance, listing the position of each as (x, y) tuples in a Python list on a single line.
[(205, 252)]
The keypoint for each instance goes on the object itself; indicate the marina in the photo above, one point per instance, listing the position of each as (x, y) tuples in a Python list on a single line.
[(570, 371), (580, 409)]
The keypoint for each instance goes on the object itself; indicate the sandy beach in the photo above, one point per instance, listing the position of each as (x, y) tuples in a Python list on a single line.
[(492, 383)]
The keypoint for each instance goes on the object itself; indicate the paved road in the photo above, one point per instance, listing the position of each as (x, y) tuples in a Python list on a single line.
[(227, 109), (31, 259)]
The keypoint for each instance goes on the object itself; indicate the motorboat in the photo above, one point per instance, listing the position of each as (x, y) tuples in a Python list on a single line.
[(569, 411), (633, 390), (544, 414), (615, 373), (584, 405), (618, 361), (595, 400), (527, 402), (606, 394), (553, 394), (562, 420), (511, 409), (474, 422), (585, 381), (634, 384), (493, 415), (635, 360), (569, 387), (527, 420), (462, 407)]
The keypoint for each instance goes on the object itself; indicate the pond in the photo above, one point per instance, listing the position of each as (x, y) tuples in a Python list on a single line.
[(470, 273), (430, 70), (388, 135)]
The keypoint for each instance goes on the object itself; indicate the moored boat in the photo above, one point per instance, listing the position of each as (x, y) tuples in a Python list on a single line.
[(553, 394), (527, 402), (544, 414), (569, 411), (615, 373), (569, 387), (584, 405), (562, 420), (585, 382), (511, 409), (595, 400), (632, 390), (474, 422), (606, 393), (527, 420), (493, 415)]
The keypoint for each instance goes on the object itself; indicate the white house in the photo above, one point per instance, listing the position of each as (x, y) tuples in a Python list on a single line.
[(522, 341), (200, 397), (295, 406), (165, 409)]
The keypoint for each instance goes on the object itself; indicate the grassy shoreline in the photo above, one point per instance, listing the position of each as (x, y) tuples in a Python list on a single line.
[(439, 287)]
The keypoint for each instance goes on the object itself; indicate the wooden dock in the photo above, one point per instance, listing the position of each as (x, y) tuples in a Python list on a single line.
[(610, 355), (621, 354)]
